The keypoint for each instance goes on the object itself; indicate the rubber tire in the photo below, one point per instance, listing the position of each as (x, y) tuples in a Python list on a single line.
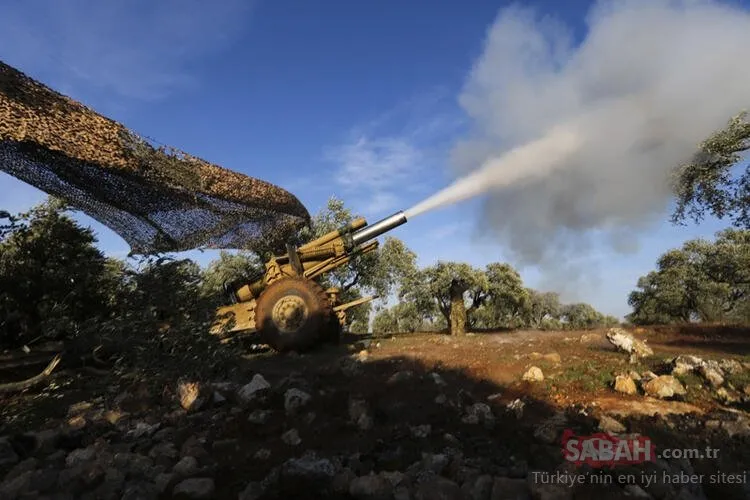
[(309, 334)]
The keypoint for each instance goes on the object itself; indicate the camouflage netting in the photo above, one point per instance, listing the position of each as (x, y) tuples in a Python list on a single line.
[(158, 199)]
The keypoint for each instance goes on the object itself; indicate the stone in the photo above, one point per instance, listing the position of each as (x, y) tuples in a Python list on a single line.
[(371, 487), (437, 379), (731, 366), (516, 406), (142, 429), (438, 488), (610, 425), (434, 462), (342, 480), (712, 375), (635, 491), (262, 454), (359, 414), (191, 395), (140, 490), (253, 491), (163, 481), (186, 466), (362, 356), (421, 431), (15, 487), (506, 488), (541, 491), (478, 488), (479, 413), (533, 374), (196, 487), (291, 437), (259, 417), (308, 466), (664, 387), (684, 364), (30, 464), (294, 400), (726, 397), (400, 376), (548, 430), (401, 493), (253, 389), (625, 385), (79, 456), (625, 342)]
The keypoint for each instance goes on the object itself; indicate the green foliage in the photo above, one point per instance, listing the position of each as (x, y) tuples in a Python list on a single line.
[(702, 281), (242, 267), (163, 313), (494, 298), (401, 318), (52, 277), (430, 288), (506, 296), (706, 185), (582, 316), (542, 309), (56, 285)]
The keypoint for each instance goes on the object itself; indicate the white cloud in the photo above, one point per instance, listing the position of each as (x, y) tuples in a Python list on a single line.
[(396, 154), (134, 50), (377, 163)]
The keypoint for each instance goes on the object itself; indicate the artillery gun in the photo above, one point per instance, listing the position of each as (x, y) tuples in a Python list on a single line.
[(285, 305)]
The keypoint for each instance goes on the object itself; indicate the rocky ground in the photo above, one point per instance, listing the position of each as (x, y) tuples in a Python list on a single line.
[(408, 417)]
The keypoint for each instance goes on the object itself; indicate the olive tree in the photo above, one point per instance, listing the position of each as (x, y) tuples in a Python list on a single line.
[(706, 184), (701, 281)]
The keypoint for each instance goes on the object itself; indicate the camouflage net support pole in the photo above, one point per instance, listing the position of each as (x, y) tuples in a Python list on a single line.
[(158, 199)]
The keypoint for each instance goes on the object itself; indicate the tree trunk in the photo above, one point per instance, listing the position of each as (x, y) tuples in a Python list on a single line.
[(458, 310)]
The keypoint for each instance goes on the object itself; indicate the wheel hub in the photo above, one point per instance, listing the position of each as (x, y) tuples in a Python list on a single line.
[(289, 313)]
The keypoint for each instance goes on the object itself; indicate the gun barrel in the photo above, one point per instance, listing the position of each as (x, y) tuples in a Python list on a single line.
[(373, 231)]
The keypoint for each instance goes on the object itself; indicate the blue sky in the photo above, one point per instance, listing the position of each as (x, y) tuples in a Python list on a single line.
[(350, 99)]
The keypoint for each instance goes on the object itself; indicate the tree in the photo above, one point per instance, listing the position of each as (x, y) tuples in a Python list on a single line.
[(385, 322), (230, 268), (706, 185), (447, 286), (542, 308), (506, 295), (702, 281), (400, 318), (52, 277), (581, 316)]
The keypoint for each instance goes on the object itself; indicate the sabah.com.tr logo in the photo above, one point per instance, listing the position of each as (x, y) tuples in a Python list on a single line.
[(606, 450)]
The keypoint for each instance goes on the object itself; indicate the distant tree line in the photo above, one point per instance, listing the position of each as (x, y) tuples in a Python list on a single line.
[(458, 297)]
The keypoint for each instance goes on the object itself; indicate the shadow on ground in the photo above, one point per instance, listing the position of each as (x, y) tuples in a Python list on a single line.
[(399, 425)]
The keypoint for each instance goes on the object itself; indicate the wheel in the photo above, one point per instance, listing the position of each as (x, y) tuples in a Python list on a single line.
[(292, 314)]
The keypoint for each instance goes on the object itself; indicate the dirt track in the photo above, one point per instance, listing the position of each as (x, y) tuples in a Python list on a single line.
[(431, 416)]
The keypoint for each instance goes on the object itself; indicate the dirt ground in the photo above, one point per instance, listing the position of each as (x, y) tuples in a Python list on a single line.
[(423, 397)]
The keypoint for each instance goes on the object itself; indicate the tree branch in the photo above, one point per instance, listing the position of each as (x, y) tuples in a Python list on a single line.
[(31, 382), (354, 282)]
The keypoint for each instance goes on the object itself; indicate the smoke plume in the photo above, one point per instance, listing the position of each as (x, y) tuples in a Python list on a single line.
[(574, 137)]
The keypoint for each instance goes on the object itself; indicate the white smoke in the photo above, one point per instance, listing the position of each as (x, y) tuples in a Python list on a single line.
[(600, 123)]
